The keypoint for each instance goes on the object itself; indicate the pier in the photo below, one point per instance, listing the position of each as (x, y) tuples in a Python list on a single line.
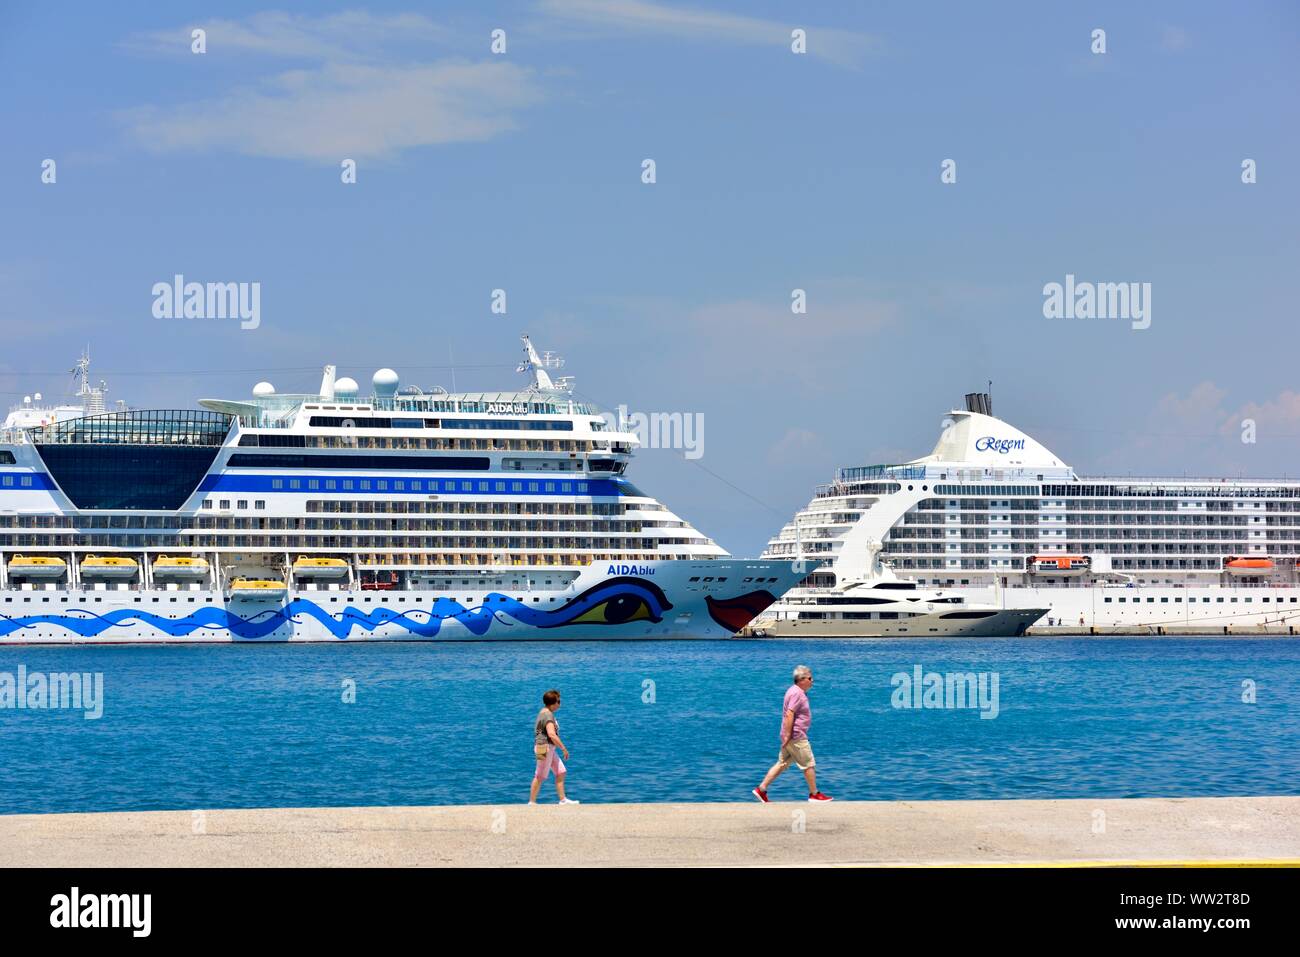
[(1138, 832)]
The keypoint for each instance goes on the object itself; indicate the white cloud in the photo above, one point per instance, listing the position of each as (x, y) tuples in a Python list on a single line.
[(346, 110), (352, 34), (1173, 39), (358, 98), (842, 47)]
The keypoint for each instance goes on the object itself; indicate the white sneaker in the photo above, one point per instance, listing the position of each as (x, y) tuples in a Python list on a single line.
[(570, 801)]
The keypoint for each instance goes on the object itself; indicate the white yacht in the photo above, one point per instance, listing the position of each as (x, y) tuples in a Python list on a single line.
[(400, 515), (994, 517), (873, 602)]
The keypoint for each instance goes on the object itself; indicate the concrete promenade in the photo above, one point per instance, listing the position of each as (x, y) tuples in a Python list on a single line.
[(1152, 830)]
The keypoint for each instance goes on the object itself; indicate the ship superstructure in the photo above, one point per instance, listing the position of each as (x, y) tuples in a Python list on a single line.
[(404, 514), (997, 517)]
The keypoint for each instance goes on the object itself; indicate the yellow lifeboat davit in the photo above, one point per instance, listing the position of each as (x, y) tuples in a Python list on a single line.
[(115, 567), (179, 568), (257, 588), (306, 567), (1248, 566), (37, 567)]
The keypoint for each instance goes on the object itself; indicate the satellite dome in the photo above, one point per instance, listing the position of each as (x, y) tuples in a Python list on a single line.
[(345, 388), (385, 382), (263, 389)]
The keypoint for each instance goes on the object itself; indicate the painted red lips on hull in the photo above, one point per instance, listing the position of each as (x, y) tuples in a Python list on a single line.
[(735, 613)]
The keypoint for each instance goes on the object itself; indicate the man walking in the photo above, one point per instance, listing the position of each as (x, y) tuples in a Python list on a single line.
[(796, 717), (546, 741)]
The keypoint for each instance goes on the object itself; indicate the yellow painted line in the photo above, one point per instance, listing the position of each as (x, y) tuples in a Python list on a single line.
[(1275, 862)]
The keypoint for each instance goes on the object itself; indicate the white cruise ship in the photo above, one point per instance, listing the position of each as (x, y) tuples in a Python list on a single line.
[(994, 517), (402, 515)]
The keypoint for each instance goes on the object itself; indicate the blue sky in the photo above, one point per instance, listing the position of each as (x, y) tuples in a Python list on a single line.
[(775, 171)]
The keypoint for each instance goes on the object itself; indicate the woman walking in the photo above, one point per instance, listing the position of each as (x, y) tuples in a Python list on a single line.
[(546, 745)]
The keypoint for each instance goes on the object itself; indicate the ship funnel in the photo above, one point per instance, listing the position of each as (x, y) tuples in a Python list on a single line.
[(980, 402)]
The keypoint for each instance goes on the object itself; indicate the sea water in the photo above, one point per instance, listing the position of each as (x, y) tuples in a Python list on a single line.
[(197, 727)]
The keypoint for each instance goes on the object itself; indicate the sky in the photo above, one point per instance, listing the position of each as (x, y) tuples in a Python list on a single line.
[(774, 171)]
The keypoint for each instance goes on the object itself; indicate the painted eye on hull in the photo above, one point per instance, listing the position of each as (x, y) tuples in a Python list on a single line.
[(614, 602), (617, 611)]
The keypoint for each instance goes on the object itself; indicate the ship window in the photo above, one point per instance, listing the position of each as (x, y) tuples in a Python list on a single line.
[(1107, 601), (277, 484)]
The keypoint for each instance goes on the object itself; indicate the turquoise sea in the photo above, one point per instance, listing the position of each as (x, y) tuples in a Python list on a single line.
[(451, 723)]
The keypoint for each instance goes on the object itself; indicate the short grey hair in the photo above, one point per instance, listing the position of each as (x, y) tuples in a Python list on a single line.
[(801, 671)]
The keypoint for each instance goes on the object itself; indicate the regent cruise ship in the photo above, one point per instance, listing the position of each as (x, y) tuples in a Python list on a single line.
[(997, 520), (407, 514)]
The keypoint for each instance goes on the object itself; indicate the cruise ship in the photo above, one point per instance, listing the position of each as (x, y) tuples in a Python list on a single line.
[(993, 517), (404, 515)]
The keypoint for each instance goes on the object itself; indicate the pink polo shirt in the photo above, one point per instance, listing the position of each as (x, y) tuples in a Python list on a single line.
[(797, 701)]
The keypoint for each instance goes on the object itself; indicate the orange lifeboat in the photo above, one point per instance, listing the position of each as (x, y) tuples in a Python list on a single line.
[(1059, 565), (1248, 566)]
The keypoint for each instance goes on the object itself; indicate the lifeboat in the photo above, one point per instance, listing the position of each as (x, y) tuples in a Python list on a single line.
[(37, 567), (179, 568), (1059, 565), (257, 588), (112, 567), (1243, 567), (306, 567)]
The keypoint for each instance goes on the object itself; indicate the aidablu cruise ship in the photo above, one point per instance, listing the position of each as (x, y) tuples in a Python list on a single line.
[(994, 517), (402, 515)]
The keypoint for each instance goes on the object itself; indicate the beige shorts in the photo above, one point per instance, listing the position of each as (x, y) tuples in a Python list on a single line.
[(799, 753)]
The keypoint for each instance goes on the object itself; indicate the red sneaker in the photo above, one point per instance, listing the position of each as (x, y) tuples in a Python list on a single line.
[(761, 795), (820, 797)]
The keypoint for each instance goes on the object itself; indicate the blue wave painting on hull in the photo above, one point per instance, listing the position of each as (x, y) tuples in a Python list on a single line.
[(615, 602)]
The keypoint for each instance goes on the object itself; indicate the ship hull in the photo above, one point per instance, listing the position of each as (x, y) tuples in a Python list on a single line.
[(608, 601), (1010, 623)]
